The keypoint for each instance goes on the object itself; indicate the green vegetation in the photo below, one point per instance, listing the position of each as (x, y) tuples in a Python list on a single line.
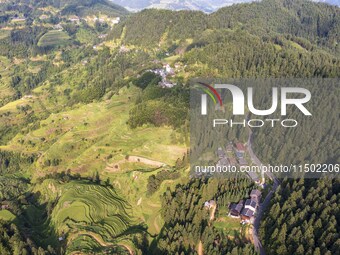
[(86, 209), (6, 215), (187, 221), (95, 152), (53, 38), (11, 242), (303, 218)]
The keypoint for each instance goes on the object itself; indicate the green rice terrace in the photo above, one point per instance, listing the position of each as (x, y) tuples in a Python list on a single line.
[(54, 38), (89, 215)]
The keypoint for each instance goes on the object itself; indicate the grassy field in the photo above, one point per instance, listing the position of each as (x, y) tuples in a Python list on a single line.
[(227, 223), (6, 215), (53, 38)]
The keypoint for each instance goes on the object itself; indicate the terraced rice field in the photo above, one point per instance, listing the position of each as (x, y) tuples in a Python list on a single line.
[(53, 38), (90, 215)]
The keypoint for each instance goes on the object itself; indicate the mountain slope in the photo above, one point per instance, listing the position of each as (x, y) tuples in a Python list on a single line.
[(202, 5), (318, 23), (77, 7)]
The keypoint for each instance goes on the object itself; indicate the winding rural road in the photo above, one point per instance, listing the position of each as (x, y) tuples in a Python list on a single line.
[(264, 205)]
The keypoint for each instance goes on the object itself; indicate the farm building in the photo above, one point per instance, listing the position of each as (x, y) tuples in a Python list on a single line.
[(235, 209), (247, 215), (250, 204), (240, 150), (255, 195)]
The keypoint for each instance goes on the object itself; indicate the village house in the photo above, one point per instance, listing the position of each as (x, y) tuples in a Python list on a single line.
[(240, 150), (235, 209), (43, 16), (167, 84), (250, 204), (168, 69), (177, 65), (255, 195), (74, 19), (58, 27), (247, 215), (115, 20), (102, 36)]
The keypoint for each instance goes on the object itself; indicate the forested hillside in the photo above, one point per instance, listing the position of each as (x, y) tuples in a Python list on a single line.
[(318, 23), (303, 218), (94, 127)]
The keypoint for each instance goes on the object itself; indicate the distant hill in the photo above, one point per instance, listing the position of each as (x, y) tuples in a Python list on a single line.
[(317, 23), (81, 7), (202, 5), (77, 7)]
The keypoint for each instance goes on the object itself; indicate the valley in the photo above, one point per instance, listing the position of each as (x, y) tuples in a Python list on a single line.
[(95, 137)]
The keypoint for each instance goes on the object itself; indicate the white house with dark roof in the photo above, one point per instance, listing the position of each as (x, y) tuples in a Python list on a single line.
[(250, 204)]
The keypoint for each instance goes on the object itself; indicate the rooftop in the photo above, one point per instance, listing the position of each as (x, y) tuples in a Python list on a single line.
[(255, 192), (251, 203), (247, 212), (240, 147)]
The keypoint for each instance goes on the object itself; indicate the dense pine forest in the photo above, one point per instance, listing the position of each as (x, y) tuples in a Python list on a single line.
[(95, 127), (303, 218)]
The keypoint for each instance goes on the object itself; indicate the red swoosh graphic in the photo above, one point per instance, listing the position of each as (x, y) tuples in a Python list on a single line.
[(214, 91)]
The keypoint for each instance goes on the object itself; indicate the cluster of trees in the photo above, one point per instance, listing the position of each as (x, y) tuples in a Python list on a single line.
[(159, 106), (13, 162), (315, 140), (187, 221), (106, 73), (14, 193), (155, 181), (303, 218), (147, 27), (21, 236), (12, 242), (241, 54), (20, 42)]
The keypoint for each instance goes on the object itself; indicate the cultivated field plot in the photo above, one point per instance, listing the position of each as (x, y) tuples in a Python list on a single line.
[(53, 38), (88, 214)]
